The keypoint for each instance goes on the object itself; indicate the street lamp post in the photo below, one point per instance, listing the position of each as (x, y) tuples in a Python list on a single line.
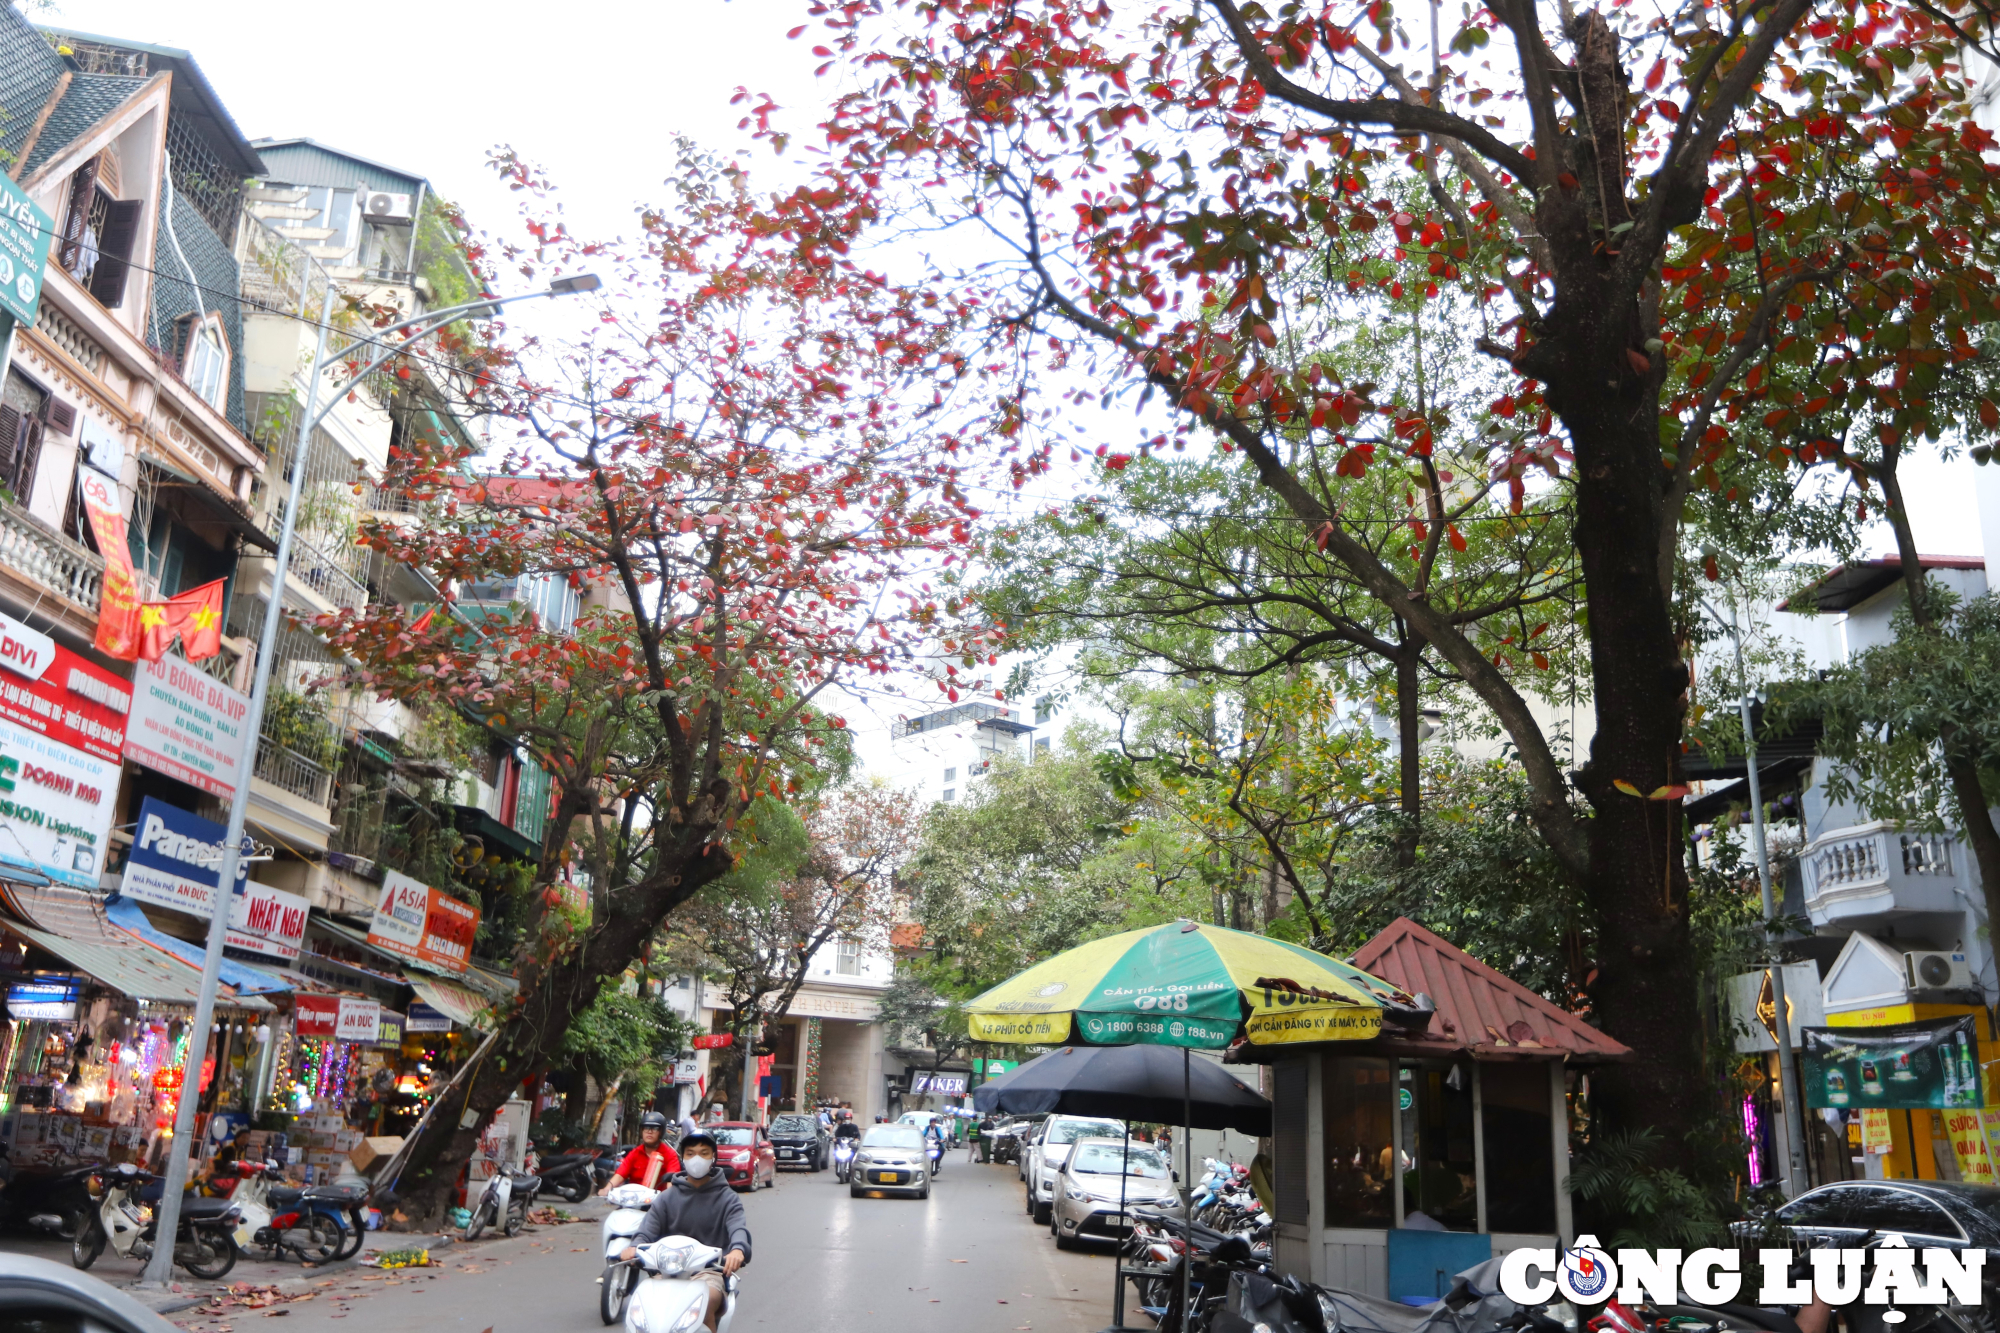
[(160, 1266), (1788, 1065)]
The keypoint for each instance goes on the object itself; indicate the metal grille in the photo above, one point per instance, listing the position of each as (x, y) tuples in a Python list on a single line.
[(1289, 1103), (97, 58), (200, 177)]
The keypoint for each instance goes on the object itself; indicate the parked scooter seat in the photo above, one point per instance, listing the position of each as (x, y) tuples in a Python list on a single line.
[(281, 1197), (340, 1194), (197, 1207)]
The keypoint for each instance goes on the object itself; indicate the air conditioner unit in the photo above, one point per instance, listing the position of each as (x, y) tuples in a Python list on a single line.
[(1935, 969), (387, 207)]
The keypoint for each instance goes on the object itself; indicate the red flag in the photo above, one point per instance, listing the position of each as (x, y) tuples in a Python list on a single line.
[(195, 615), (118, 607)]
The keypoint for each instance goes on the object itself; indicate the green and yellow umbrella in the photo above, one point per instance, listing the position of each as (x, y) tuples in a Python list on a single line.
[(1185, 984)]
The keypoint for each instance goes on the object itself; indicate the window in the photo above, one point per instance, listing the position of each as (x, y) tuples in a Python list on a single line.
[(847, 958), (100, 234), (950, 794), (1355, 1101), (1888, 1209), (1437, 1138), (1520, 1147), (205, 364), (951, 775)]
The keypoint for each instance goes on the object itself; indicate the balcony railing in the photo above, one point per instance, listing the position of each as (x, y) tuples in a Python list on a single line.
[(1850, 863), (57, 327), (1879, 867), (52, 560), (327, 576), (294, 773)]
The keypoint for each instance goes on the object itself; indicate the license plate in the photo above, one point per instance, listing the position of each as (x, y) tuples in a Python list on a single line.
[(786, 1152), (888, 1177)]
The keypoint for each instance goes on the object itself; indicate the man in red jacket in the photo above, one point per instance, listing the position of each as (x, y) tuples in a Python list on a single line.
[(652, 1163)]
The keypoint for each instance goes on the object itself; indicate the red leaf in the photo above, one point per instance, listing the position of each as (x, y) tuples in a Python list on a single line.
[(1454, 536), (1321, 537), (1989, 415), (1566, 180), (1641, 363)]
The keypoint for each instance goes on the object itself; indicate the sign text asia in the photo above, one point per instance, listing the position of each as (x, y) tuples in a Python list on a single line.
[(423, 924), (1888, 1273)]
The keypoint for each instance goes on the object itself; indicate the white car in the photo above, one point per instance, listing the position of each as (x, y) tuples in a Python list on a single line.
[(1044, 1158)]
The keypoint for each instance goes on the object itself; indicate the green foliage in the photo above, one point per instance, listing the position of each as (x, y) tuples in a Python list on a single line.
[(1653, 1206), (1895, 712), (301, 724), (632, 1037), (914, 1014)]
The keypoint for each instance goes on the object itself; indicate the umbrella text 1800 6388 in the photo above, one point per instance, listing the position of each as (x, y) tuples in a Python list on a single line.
[(1186, 984)]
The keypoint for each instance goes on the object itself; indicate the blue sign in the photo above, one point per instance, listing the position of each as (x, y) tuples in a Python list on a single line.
[(49, 999), (176, 859), (25, 233)]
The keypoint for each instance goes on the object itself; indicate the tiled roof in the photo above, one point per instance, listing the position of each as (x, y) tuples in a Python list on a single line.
[(29, 68), (1478, 1010), (88, 99), (215, 269)]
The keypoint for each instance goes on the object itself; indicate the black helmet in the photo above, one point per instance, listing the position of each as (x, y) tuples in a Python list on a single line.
[(696, 1139), (653, 1120)]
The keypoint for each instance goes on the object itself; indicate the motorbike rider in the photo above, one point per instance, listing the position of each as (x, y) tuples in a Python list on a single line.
[(934, 1139), (697, 1203), (652, 1162), (847, 1128)]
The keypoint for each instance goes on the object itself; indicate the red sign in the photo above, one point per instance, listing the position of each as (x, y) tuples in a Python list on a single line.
[(316, 1015), (417, 922), (714, 1040), (73, 702)]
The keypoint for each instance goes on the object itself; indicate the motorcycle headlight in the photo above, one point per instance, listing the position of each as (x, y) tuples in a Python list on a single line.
[(635, 1315), (691, 1318)]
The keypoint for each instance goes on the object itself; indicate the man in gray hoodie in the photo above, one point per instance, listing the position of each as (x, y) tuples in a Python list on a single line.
[(698, 1204)]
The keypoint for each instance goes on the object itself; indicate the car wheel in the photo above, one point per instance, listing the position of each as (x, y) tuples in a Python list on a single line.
[(853, 1191), (1064, 1242), (1043, 1212), (1030, 1198)]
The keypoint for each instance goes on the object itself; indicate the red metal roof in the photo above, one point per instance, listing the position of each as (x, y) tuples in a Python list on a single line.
[(1478, 1010)]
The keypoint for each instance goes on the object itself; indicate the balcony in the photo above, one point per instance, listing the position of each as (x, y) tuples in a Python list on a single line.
[(292, 772), (50, 560), (1878, 869)]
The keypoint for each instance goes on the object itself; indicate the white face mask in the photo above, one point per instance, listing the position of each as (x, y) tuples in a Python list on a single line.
[(697, 1167)]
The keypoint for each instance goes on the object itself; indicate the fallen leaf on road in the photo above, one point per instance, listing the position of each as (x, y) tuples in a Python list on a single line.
[(273, 1314), (1001, 1300), (961, 1261)]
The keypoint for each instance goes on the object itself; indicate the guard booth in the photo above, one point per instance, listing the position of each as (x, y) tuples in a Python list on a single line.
[(1401, 1160)]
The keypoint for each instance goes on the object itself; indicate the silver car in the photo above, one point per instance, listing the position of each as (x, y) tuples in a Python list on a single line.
[(891, 1158), (1087, 1188), (1051, 1146)]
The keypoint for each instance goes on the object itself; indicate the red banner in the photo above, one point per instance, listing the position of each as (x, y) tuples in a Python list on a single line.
[(118, 609), (67, 698), (714, 1040), (316, 1015)]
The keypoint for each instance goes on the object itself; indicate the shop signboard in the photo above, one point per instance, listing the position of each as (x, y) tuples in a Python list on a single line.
[(423, 1018), (687, 1070), (176, 862), (25, 233), (389, 1028), (50, 690), (414, 921), (44, 999), (56, 806), (342, 1016), (187, 724), (1928, 1065), (941, 1085)]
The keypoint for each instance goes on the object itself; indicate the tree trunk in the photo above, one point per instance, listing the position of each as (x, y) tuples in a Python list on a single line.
[(531, 1036), (1409, 724), (1635, 880)]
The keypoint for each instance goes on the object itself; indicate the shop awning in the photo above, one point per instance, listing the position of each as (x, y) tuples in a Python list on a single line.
[(70, 924), (126, 915), (460, 1005), (203, 506)]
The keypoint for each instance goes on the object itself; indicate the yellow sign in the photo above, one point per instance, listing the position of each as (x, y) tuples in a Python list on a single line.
[(1875, 1137), (1964, 1127), (1326, 1022), (1019, 1029)]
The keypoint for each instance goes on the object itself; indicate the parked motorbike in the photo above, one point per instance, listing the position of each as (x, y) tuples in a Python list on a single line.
[(504, 1203), (203, 1242), (843, 1160), (665, 1293), (614, 1287), (57, 1202), (569, 1175), (280, 1221)]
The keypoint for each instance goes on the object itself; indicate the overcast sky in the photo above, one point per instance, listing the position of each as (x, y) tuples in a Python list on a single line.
[(593, 90)]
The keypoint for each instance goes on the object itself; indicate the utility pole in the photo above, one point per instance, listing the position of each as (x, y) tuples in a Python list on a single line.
[(180, 1148)]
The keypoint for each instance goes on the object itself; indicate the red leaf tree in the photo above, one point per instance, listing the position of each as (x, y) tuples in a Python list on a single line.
[(742, 474), (1775, 242)]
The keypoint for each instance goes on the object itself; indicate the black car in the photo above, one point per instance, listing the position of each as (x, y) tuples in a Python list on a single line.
[(800, 1141), (1925, 1213)]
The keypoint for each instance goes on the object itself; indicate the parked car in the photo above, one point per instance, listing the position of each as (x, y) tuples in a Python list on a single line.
[(800, 1140), (1087, 1188), (745, 1154), (36, 1293), (1927, 1213), (891, 1158), (1051, 1146)]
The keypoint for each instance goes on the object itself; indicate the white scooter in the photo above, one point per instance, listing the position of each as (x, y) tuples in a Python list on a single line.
[(628, 1211), (203, 1244), (504, 1203), (669, 1299), (843, 1159)]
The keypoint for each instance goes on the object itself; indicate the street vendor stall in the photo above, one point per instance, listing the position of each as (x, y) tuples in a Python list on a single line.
[(1409, 1155)]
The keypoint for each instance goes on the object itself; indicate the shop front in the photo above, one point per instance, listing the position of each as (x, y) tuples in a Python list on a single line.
[(1398, 1161)]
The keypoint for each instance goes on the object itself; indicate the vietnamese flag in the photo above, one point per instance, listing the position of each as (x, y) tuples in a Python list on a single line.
[(195, 615)]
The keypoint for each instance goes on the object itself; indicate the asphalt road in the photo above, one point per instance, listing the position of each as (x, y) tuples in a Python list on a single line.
[(967, 1260)]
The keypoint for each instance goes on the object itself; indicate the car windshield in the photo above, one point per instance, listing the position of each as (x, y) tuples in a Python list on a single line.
[(892, 1136), (737, 1137), (1102, 1159), (794, 1124), (1069, 1131)]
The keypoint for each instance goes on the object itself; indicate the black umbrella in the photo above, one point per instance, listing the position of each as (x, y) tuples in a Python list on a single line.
[(1152, 1083)]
